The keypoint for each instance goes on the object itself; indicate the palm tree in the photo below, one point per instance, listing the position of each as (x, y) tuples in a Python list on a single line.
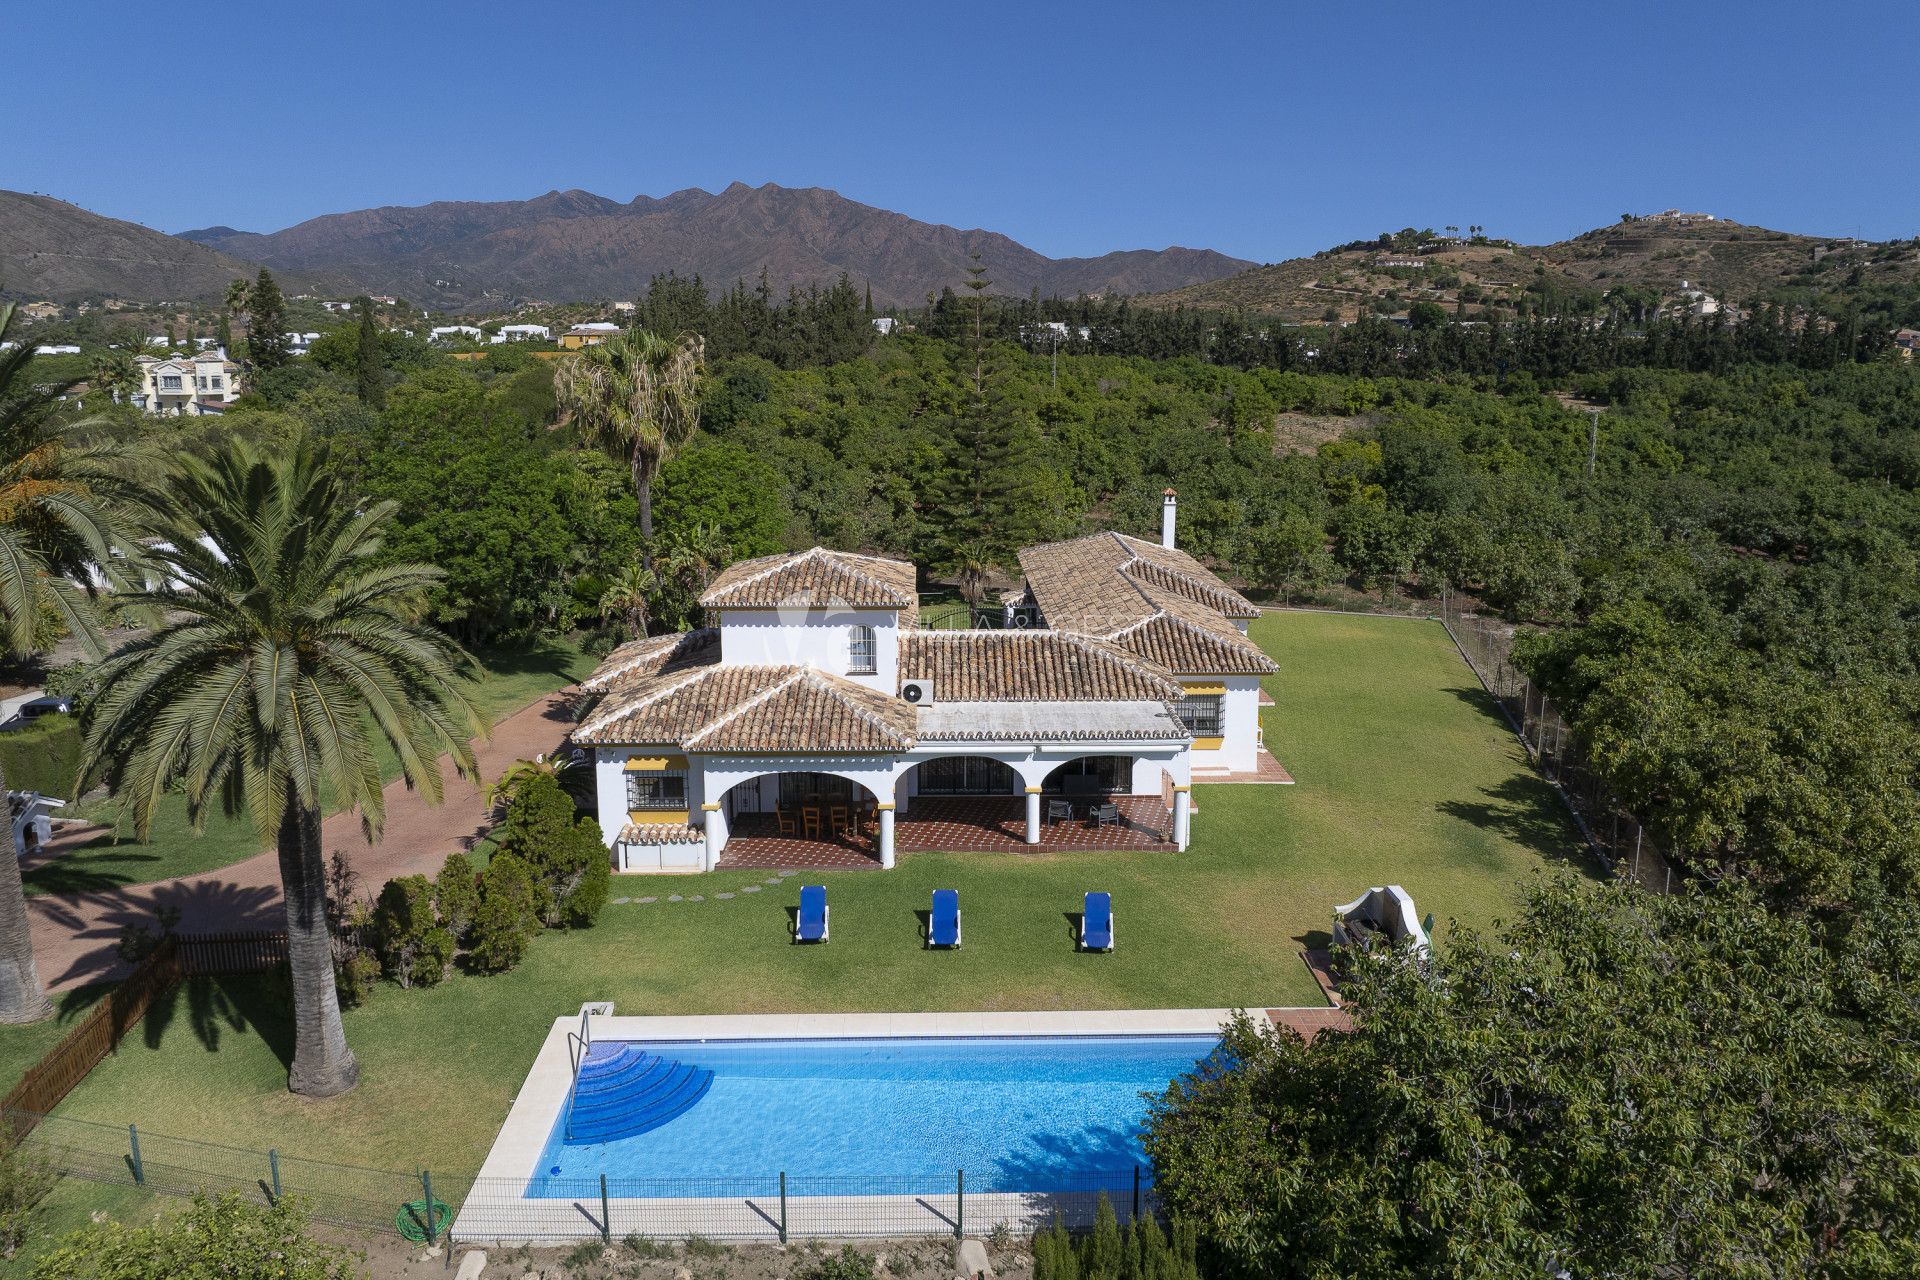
[(630, 596), (636, 396), (289, 648), (697, 555), (59, 514)]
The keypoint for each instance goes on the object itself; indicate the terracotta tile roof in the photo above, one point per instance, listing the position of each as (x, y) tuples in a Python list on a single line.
[(637, 659), (785, 709), (1159, 604), (817, 579), (660, 833), (1029, 666)]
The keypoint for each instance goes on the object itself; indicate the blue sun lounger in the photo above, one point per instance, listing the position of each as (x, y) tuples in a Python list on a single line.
[(811, 926), (1096, 923), (943, 927)]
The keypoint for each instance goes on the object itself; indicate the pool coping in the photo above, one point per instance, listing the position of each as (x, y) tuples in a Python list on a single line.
[(537, 1105)]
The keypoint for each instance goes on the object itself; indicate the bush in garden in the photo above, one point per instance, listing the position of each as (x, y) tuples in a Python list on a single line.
[(25, 1178), (1142, 1252), (456, 895), (572, 870), (228, 1236), (414, 949), (504, 920)]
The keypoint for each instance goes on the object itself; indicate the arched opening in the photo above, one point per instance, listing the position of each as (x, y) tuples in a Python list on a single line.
[(799, 819), (1091, 776)]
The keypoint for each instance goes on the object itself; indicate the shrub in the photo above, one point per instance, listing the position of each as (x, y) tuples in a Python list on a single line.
[(228, 1236), (456, 895), (43, 756), (504, 919), (571, 869), (414, 950), (25, 1178), (354, 976), (848, 1264), (1142, 1252)]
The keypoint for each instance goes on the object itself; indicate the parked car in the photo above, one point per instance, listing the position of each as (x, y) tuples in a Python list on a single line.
[(34, 708)]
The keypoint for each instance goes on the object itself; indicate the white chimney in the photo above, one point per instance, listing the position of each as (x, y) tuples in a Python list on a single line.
[(1169, 507)]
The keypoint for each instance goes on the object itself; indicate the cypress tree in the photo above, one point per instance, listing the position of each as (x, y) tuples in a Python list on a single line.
[(266, 325), (370, 370)]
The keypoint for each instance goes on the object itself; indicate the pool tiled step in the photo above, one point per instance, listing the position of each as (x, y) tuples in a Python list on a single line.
[(622, 1091)]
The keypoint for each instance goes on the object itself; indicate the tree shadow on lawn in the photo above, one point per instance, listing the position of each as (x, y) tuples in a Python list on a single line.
[(1525, 810), (244, 1005), (1483, 702)]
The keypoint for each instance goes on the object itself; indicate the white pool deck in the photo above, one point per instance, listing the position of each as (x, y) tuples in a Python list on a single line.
[(499, 1211)]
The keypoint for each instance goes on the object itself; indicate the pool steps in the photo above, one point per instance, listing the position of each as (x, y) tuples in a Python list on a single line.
[(622, 1091)]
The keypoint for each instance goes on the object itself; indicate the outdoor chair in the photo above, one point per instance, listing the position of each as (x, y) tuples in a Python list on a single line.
[(811, 925), (943, 925), (810, 820), (1059, 811), (1096, 922), (1106, 815), (839, 819), (788, 827)]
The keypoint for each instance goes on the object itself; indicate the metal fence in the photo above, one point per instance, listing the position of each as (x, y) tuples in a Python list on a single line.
[(773, 1207), (1618, 839)]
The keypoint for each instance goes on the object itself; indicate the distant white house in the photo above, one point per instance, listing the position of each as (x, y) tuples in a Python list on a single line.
[(338, 306), (624, 308), (455, 332), (57, 349), (1055, 331), (384, 299), (177, 385), (202, 344), (297, 343), (523, 333), (159, 340), (885, 324), (1698, 302)]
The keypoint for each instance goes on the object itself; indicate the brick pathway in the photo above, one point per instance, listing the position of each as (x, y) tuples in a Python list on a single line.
[(74, 934)]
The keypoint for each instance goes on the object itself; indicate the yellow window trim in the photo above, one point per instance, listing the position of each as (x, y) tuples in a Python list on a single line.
[(657, 817), (1208, 744), (654, 764), (1203, 689)]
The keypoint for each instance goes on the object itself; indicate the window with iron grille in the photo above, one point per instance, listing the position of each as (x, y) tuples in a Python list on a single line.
[(860, 651), (1200, 712), (170, 382), (664, 790)]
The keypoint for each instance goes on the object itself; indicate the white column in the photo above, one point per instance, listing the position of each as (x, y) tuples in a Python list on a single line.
[(886, 837), (1182, 816), (716, 833), (1033, 815)]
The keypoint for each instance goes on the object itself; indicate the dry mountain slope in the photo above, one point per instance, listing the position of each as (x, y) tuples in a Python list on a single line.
[(55, 250), (569, 245), (1732, 261)]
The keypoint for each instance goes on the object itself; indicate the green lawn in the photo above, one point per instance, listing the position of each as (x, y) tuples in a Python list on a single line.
[(512, 680), (1406, 774)]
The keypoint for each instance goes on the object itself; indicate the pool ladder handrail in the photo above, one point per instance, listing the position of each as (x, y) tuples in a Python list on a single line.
[(579, 1043)]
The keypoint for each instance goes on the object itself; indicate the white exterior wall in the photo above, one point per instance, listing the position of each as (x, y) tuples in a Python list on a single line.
[(1240, 728), (812, 637)]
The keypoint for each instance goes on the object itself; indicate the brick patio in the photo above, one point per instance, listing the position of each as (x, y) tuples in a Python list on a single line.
[(965, 824)]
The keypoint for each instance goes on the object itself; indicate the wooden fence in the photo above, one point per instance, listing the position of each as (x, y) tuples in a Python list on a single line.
[(100, 1032)]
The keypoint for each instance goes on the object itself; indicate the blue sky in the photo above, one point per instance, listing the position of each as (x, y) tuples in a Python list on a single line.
[(1263, 130)]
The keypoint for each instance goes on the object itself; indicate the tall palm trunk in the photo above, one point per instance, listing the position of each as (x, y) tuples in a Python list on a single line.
[(323, 1065), (21, 999), (643, 465)]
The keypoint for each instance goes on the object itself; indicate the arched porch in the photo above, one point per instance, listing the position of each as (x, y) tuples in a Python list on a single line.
[(800, 819), (1038, 801)]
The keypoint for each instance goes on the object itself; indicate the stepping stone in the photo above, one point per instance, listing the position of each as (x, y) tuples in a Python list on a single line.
[(722, 896), (698, 897), (621, 902), (775, 882), (752, 888), (673, 897), (644, 901)]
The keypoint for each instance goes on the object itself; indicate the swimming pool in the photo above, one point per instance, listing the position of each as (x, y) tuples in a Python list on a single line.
[(1027, 1113)]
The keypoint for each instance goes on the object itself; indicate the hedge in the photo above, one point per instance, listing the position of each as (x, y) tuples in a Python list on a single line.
[(43, 756)]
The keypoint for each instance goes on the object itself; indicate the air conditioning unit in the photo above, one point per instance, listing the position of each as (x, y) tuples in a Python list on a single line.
[(917, 692)]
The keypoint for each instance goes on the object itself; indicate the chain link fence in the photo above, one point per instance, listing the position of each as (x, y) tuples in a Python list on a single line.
[(1618, 839)]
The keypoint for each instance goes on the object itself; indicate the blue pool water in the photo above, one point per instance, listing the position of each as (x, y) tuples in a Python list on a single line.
[(1018, 1114)]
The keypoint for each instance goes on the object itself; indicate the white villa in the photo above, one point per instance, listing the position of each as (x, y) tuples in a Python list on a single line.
[(814, 706), (202, 383)]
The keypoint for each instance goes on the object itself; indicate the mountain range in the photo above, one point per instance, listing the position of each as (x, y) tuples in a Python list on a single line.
[(574, 245)]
